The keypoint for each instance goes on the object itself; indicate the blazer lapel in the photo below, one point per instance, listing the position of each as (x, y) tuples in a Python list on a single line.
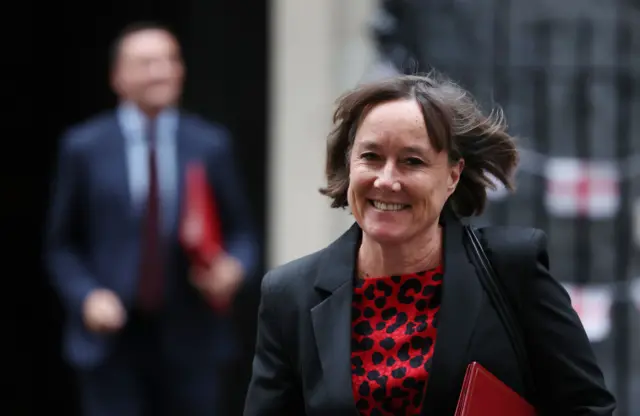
[(462, 298), (331, 319), (117, 169), (184, 155)]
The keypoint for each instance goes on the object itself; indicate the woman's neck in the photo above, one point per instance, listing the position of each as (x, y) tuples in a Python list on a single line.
[(421, 253)]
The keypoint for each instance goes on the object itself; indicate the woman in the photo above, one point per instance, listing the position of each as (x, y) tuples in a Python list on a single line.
[(385, 320)]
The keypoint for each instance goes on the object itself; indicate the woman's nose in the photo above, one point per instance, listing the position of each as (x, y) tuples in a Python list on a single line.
[(387, 178)]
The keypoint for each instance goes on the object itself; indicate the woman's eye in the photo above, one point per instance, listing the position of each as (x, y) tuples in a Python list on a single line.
[(414, 161), (369, 156)]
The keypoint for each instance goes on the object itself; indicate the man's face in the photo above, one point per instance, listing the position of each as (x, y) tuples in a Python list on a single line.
[(149, 69)]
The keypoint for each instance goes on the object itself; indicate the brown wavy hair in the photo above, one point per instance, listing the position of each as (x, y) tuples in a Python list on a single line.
[(455, 124)]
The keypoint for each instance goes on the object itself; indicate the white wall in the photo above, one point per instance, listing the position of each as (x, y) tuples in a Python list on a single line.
[(319, 49)]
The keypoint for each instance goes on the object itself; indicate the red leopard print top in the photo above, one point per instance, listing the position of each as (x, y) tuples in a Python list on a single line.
[(394, 321)]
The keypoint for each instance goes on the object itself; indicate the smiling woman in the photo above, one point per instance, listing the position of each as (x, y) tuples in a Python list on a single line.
[(438, 116), (412, 144), (385, 320)]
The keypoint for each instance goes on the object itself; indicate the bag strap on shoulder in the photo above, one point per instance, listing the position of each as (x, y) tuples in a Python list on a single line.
[(504, 306)]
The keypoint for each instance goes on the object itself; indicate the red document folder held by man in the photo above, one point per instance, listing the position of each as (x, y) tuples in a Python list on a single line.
[(483, 394), (200, 230)]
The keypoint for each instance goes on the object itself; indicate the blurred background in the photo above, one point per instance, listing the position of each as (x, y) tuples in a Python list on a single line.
[(567, 74)]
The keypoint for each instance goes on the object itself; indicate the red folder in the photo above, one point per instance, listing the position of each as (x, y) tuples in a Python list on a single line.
[(200, 230), (483, 394)]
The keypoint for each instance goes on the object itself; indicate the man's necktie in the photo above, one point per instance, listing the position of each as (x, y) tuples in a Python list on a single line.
[(151, 287)]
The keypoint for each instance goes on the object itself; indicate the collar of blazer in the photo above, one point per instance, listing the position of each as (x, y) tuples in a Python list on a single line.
[(462, 298)]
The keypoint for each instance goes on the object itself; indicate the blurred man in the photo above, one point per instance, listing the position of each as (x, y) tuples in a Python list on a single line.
[(139, 332)]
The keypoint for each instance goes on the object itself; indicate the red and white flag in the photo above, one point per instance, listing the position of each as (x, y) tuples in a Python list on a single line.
[(577, 188), (593, 305)]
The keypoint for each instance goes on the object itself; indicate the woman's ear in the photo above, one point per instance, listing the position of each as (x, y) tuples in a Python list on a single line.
[(454, 175)]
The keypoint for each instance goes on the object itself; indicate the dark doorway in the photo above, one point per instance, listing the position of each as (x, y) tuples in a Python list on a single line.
[(63, 82)]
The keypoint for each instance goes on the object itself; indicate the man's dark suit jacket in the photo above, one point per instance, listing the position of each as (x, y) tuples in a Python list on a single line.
[(302, 359), (94, 237)]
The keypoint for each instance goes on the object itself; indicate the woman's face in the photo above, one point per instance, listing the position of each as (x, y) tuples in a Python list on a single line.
[(398, 183)]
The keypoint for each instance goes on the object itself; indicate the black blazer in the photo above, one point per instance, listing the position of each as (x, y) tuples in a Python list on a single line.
[(302, 359)]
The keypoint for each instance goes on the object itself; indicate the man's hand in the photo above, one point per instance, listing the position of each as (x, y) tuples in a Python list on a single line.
[(103, 312), (221, 280)]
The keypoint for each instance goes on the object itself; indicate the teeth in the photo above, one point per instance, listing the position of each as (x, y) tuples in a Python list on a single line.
[(383, 206)]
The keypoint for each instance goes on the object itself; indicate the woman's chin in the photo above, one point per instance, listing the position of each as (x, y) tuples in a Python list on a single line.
[(386, 233)]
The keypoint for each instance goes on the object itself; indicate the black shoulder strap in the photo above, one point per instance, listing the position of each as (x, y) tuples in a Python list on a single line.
[(495, 289)]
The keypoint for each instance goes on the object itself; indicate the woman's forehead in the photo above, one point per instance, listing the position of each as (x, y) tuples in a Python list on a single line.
[(396, 118), (398, 124), (400, 115)]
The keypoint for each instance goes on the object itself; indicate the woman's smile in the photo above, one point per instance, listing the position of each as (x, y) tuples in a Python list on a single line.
[(388, 206)]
